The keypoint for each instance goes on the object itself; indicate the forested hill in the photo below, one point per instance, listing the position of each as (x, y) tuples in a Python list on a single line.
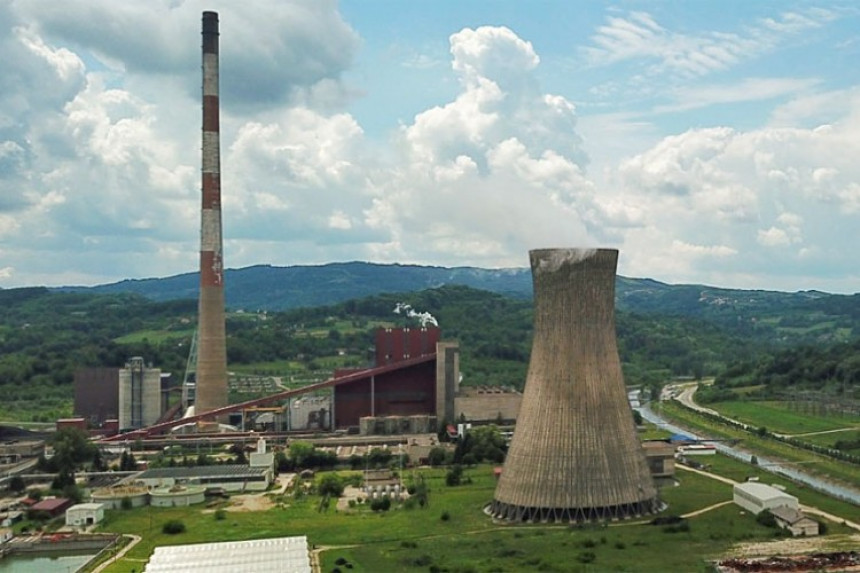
[(46, 335), (265, 287), (271, 288)]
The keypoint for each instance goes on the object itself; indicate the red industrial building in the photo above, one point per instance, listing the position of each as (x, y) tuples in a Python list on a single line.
[(424, 385)]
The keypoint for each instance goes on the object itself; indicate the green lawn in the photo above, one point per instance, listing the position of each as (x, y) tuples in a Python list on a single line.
[(155, 336), (781, 417), (421, 540)]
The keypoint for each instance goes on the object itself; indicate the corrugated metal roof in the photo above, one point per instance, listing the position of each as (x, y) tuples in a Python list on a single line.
[(218, 471), (278, 555)]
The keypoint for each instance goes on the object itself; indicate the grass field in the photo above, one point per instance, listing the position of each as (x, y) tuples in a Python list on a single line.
[(814, 463), (155, 336), (780, 417), (422, 540)]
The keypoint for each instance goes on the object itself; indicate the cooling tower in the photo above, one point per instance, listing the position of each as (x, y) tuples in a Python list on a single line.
[(575, 455), (211, 391)]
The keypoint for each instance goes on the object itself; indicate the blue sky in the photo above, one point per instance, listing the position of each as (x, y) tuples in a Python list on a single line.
[(711, 142)]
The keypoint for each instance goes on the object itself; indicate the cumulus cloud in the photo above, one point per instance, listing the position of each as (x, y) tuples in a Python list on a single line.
[(273, 52), (730, 192), (496, 171), (99, 176)]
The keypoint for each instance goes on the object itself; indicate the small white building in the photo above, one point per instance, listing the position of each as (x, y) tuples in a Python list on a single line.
[(84, 514), (263, 458), (6, 534), (757, 497)]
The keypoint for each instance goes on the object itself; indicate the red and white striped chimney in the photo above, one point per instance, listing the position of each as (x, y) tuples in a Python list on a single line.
[(211, 391)]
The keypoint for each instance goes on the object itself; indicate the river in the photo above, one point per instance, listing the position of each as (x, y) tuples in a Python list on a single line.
[(838, 491)]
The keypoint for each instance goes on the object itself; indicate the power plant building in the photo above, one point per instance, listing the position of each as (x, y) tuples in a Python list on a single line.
[(96, 394), (415, 375), (575, 455)]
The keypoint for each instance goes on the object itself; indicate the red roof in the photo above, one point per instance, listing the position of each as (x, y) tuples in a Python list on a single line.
[(52, 504)]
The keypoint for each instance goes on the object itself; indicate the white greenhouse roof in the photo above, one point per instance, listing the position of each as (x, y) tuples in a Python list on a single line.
[(278, 555), (762, 491)]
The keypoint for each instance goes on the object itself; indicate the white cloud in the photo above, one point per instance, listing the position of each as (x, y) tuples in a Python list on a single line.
[(638, 36), (102, 170)]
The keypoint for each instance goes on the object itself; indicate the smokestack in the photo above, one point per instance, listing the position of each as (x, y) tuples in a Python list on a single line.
[(575, 455), (211, 389)]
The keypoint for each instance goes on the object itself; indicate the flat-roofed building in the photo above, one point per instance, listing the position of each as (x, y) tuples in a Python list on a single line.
[(661, 458), (233, 477), (84, 514)]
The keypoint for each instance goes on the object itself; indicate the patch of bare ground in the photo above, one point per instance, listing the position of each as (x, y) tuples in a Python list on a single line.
[(796, 546), (262, 501)]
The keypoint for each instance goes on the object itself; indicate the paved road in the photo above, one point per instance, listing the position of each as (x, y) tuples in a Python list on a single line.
[(851, 495)]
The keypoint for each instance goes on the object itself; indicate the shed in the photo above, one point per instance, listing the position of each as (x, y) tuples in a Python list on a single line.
[(756, 497), (54, 506), (794, 521), (84, 514)]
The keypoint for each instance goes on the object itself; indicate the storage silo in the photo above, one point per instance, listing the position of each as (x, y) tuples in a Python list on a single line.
[(575, 455)]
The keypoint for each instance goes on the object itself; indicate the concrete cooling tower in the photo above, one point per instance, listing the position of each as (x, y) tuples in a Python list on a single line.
[(575, 455)]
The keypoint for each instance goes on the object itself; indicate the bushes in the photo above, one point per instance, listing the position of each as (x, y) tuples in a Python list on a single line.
[(381, 504), (173, 527), (454, 475)]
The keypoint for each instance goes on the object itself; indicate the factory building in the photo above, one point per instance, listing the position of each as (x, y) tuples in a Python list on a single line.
[(575, 455), (229, 477), (135, 395), (415, 374), (97, 395)]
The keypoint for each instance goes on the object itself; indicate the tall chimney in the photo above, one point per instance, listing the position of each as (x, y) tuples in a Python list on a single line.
[(211, 389)]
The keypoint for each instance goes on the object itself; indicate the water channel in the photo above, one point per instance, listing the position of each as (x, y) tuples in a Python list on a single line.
[(838, 491)]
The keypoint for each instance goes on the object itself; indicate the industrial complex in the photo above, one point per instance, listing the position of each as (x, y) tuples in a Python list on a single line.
[(574, 456)]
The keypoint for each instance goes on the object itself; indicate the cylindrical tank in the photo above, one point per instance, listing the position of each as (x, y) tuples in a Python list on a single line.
[(575, 455)]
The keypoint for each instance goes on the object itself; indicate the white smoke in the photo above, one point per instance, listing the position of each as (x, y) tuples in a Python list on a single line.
[(424, 317)]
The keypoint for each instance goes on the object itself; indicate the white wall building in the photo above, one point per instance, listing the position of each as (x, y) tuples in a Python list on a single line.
[(757, 497), (84, 514)]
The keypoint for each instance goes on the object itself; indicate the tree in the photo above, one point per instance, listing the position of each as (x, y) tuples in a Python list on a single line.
[(330, 484), (437, 455), (16, 484), (127, 463), (300, 453), (454, 475), (63, 479), (239, 451), (72, 447)]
